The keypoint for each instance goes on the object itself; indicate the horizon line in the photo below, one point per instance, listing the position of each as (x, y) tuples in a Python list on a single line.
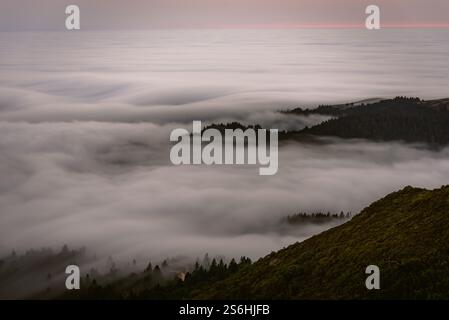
[(260, 26)]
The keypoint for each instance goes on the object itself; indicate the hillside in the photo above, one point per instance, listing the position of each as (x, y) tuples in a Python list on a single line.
[(406, 234), (401, 119)]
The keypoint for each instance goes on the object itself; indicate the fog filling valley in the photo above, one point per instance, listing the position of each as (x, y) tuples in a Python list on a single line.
[(85, 125)]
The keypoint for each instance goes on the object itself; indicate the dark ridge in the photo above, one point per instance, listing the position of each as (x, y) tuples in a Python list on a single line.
[(403, 119)]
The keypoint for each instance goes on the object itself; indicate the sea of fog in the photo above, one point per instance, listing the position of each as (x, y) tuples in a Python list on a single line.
[(85, 119)]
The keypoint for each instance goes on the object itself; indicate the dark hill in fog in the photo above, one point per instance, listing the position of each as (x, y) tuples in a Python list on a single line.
[(401, 119)]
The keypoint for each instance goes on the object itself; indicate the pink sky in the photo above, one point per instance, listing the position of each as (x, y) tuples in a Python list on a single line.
[(135, 14)]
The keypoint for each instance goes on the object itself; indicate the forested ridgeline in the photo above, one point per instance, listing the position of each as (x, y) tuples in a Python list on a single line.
[(403, 119), (410, 120)]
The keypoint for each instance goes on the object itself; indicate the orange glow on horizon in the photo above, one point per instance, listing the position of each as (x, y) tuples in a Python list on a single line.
[(337, 26)]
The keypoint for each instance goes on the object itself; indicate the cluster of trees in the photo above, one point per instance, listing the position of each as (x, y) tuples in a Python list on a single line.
[(321, 109), (316, 217), (231, 125), (44, 270), (159, 282)]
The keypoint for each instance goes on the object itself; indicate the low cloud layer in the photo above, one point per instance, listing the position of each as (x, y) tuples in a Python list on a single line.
[(111, 187), (85, 124)]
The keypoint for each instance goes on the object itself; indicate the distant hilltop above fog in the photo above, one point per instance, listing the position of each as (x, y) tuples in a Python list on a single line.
[(402, 119), (409, 120)]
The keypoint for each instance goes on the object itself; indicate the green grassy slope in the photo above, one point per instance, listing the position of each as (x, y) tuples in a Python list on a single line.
[(406, 234)]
